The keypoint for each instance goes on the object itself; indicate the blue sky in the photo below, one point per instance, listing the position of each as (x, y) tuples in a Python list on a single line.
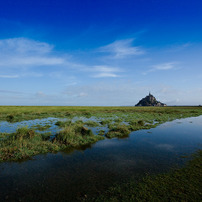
[(100, 52)]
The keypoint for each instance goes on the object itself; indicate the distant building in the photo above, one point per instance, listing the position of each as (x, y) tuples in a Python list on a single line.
[(150, 100)]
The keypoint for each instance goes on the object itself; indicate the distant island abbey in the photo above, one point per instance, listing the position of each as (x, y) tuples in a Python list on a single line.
[(150, 100)]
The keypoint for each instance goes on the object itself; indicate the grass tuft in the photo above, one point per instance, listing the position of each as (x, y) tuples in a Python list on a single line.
[(62, 124), (118, 131), (92, 123), (76, 135)]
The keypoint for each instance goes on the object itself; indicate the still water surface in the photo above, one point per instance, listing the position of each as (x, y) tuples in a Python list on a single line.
[(65, 176)]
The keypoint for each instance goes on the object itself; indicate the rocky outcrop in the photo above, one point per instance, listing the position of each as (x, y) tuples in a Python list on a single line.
[(150, 100)]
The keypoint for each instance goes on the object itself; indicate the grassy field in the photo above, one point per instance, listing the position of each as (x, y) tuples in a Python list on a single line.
[(19, 113), (120, 121)]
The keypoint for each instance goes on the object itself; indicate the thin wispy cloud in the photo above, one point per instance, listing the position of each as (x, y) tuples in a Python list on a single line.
[(106, 71), (40, 94), (103, 75), (103, 68), (21, 75), (97, 71), (10, 92), (24, 45), (82, 94), (162, 67), (31, 61), (31, 74), (9, 76), (122, 49), (179, 47), (22, 52)]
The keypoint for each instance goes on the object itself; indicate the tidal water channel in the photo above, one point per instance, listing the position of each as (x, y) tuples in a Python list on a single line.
[(69, 175)]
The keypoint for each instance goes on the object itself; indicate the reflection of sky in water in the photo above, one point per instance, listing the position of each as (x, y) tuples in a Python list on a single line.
[(7, 127), (66, 174)]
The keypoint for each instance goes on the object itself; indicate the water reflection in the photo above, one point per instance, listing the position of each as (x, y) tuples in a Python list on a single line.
[(9, 127)]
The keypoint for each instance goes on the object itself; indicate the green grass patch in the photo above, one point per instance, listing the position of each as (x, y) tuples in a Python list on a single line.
[(76, 135), (101, 132), (41, 127), (62, 124), (118, 131), (25, 142), (19, 113), (106, 121), (91, 123)]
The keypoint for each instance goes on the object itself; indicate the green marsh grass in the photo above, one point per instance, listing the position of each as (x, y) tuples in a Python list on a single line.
[(18, 146), (25, 142), (91, 123), (20, 113), (106, 121), (118, 131), (101, 132), (41, 127), (76, 135), (62, 124)]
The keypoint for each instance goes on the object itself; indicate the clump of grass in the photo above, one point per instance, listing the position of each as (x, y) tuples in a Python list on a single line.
[(141, 122), (62, 124), (91, 123), (22, 134), (3, 135), (68, 114), (118, 120), (118, 131), (76, 135), (46, 136), (77, 122), (133, 122), (10, 117), (183, 184), (41, 127), (101, 132), (105, 121), (87, 114), (23, 144)]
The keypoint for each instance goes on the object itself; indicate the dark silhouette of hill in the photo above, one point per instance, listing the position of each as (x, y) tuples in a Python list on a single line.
[(150, 100)]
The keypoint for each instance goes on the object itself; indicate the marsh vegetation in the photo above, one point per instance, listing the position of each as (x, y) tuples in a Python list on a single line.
[(74, 129), (20, 113)]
